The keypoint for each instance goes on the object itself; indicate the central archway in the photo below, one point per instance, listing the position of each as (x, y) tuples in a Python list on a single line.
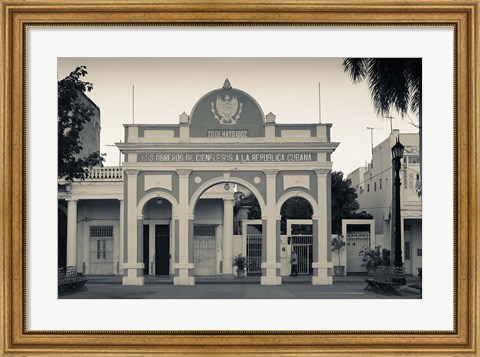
[(229, 244), (212, 182)]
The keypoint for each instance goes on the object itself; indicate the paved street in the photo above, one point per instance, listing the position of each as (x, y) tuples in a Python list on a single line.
[(248, 288)]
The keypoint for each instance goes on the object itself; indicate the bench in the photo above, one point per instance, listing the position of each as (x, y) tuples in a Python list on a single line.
[(70, 282), (382, 283)]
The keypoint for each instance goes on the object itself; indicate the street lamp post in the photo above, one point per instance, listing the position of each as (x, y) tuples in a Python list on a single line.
[(398, 276)]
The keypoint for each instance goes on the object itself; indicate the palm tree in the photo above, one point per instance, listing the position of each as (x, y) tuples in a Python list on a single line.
[(394, 83)]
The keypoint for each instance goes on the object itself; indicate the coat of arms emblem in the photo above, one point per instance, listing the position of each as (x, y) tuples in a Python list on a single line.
[(227, 111)]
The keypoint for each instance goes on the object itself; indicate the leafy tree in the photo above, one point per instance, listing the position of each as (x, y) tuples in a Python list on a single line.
[(72, 115), (344, 201), (251, 201), (294, 208)]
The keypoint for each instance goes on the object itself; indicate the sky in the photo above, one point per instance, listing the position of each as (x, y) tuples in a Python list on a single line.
[(296, 90)]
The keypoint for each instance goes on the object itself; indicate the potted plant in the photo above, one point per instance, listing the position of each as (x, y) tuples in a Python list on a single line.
[(338, 245), (240, 262), (372, 258)]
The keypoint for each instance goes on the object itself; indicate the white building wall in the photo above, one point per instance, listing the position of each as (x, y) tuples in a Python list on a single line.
[(96, 213), (375, 194), (285, 252), (238, 245), (413, 235)]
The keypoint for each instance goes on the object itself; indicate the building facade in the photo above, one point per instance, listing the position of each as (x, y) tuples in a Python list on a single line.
[(374, 188), (169, 209), (90, 135)]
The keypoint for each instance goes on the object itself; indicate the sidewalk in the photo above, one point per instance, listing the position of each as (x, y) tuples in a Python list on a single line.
[(231, 279), (229, 287)]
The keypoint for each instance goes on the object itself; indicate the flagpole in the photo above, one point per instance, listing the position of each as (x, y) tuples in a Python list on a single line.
[(133, 103), (319, 104)]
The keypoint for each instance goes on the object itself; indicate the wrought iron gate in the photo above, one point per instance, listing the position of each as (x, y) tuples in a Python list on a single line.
[(101, 250), (204, 252), (303, 246), (302, 242), (356, 242), (254, 254)]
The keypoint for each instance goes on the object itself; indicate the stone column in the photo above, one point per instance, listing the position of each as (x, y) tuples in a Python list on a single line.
[(315, 250), (72, 233), (121, 237), (271, 266), (322, 265), (134, 266), (151, 249), (228, 235), (183, 269)]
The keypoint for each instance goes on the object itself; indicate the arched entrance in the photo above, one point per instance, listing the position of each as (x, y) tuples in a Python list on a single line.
[(217, 226), (153, 247), (297, 224), (209, 230), (158, 242)]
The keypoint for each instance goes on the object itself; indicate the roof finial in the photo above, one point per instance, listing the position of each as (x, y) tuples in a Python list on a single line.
[(227, 84)]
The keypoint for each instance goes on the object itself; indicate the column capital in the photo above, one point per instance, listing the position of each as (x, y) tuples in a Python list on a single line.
[(321, 172), (183, 172), (229, 200), (73, 200), (121, 200), (131, 172), (139, 218), (271, 172)]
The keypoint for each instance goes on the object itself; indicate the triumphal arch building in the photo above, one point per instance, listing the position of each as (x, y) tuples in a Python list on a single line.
[(226, 139)]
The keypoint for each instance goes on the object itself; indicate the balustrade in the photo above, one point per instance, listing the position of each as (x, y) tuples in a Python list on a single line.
[(105, 173)]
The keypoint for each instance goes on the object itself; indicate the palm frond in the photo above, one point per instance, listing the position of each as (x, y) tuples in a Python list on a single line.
[(394, 83), (356, 68)]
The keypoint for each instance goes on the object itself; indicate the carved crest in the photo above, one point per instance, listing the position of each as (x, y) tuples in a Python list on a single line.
[(227, 110)]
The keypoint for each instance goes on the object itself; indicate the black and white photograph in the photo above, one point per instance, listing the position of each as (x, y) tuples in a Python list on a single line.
[(239, 178)]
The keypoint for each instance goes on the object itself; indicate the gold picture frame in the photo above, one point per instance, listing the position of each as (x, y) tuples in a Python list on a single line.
[(18, 15)]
